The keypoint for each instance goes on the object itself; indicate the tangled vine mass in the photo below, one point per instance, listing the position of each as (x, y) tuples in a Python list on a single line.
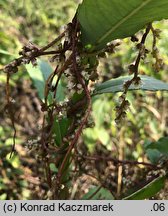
[(78, 67)]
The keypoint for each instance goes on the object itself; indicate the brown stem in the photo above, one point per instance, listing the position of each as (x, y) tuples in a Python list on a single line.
[(142, 43), (74, 141), (121, 162), (60, 72), (80, 80), (53, 42)]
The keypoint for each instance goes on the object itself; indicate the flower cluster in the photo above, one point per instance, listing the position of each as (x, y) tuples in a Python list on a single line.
[(28, 54), (122, 108)]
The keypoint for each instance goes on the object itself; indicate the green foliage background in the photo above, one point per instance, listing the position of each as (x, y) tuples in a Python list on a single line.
[(147, 118)]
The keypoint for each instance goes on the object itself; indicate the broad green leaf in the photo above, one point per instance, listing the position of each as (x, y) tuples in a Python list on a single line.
[(45, 69), (39, 75), (64, 124), (161, 145), (57, 131), (116, 85), (149, 190), (102, 194), (105, 20), (60, 129), (154, 155)]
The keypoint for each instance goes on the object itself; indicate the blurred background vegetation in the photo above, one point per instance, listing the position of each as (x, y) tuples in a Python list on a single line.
[(147, 119)]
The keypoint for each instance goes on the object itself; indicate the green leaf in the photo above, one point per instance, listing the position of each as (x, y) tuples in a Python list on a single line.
[(105, 20), (3, 196), (60, 128), (103, 136), (116, 85), (57, 131), (53, 167), (45, 69), (14, 161), (39, 75), (149, 190), (153, 155), (98, 194), (161, 145)]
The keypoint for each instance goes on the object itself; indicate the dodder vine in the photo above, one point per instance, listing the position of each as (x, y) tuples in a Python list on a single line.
[(68, 57), (77, 66)]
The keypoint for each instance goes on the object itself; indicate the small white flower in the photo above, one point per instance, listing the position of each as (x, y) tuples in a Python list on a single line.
[(78, 59), (67, 72), (66, 100), (78, 115), (79, 86), (60, 114), (66, 36), (85, 75), (12, 100), (70, 85), (25, 61), (28, 54)]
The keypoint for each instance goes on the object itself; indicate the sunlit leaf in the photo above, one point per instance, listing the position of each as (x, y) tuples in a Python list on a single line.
[(116, 85), (3, 196), (14, 161), (104, 21), (39, 75), (149, 190)]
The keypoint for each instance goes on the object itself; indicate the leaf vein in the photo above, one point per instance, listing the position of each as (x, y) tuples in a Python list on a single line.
[(123, 20)]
